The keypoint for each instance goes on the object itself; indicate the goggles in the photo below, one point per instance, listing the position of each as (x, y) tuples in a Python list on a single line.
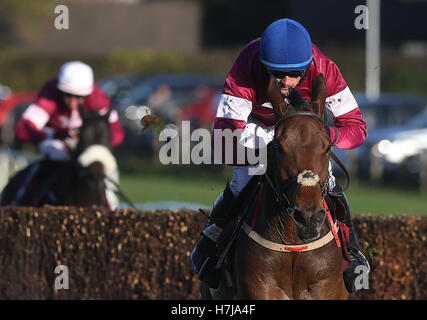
[(284, 74)]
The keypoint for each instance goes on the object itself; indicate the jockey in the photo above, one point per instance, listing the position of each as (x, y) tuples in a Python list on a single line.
[(53, 119), (284, 52)]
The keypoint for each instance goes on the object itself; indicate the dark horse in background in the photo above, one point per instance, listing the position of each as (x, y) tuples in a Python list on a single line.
[(293, 255), (79, 181)]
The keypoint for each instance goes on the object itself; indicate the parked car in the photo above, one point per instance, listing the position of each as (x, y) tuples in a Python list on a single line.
[(396, 151), (116, 87), (390, 109), (389, 114)]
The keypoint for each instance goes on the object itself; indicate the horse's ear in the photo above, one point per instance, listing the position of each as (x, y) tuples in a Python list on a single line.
[(277, 101), (319, 95)]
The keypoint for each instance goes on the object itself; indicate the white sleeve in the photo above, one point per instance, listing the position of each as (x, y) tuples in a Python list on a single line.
[(36, 115), (341, 102), (234, 108)]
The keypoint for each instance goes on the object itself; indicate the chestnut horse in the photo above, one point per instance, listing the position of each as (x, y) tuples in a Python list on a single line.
[(296, 255)]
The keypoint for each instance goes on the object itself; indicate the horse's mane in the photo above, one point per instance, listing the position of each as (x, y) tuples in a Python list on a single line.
[(94, 130), (296, 102)]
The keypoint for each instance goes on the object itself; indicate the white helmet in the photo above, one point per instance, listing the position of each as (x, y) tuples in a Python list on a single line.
[(76, 78)]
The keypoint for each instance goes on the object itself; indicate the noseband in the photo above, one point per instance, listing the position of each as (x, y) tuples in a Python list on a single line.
[(301, 180)]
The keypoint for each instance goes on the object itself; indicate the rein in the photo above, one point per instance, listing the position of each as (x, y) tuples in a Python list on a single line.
[(286, 205), (298, 114), (281, 198), (119, 192), (331, 235)]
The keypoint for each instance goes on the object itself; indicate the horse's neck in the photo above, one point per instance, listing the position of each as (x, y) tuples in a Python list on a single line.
[(280, 227), (95, 130)]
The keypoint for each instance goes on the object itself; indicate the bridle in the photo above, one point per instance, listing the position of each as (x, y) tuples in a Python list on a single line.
[(287, 203), (283, 201), (299, 114)]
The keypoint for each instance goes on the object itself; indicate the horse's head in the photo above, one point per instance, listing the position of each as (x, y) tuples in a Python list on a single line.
[(300, 160), (94, 130)]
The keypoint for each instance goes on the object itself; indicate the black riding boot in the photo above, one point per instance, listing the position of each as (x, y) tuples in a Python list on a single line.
[(358, 262), (205, 256)]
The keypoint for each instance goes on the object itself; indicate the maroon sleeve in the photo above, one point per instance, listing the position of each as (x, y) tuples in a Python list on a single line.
[(26, 131), (351, 130), (238, 96), (239, 82), (48, 96), (97, 100), (117, 133)]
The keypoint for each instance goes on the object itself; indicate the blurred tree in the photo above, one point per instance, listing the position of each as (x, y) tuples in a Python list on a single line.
[(22, 21)]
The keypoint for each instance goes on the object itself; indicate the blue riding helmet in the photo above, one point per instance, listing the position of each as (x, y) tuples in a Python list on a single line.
[(285, 46)]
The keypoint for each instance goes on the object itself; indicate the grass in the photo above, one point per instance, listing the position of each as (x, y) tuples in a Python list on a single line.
[(366, 198), (150, 188), (203, 188)]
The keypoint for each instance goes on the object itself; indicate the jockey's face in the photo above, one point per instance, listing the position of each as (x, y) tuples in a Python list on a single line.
[(287, 79), (72, 102)]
